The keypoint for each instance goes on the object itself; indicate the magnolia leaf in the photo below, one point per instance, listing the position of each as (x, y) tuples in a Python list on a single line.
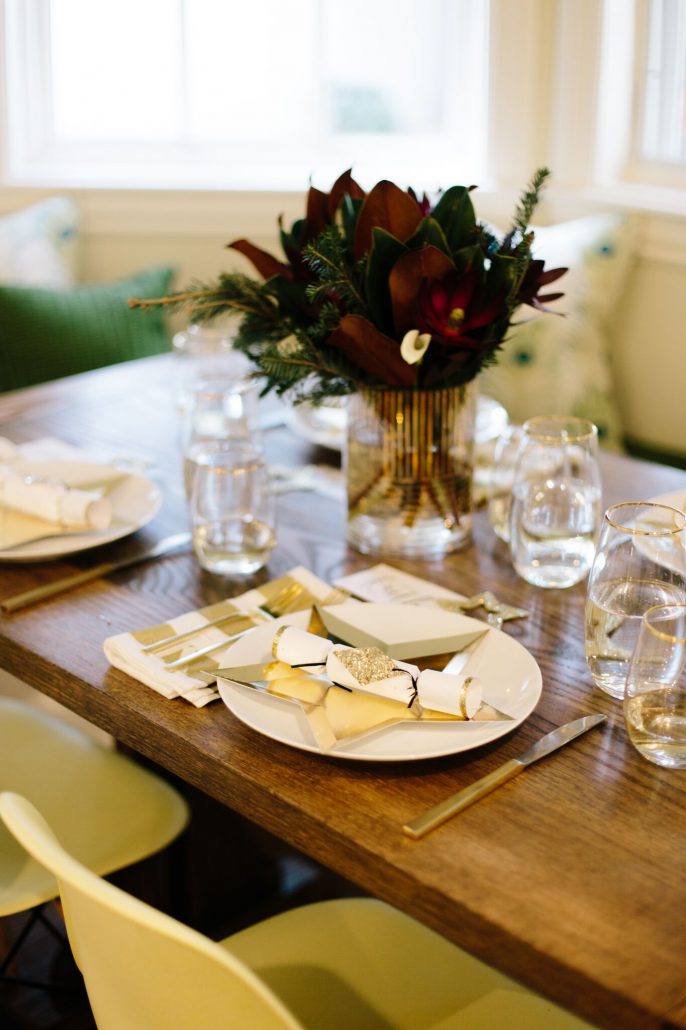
[(455, 214), (266, 264), (372, 351), (344, 186), (317, 217), (386, 207), (405, 281), (350, 209), (384, 254), (290, 295), (429, 232)]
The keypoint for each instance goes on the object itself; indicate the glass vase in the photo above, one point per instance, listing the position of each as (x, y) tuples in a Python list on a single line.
[(409, 462)]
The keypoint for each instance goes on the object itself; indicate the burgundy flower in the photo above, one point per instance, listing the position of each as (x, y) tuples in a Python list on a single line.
[(453, 307), (535, 279)]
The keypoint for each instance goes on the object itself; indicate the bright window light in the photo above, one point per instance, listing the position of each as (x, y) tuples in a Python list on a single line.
[(228, 90), (664, 86)]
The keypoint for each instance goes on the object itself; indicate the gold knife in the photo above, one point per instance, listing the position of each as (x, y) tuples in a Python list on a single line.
[(440, 813), (163, 547)]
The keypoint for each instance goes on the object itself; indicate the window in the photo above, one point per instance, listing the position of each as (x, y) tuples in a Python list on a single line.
[(663, 129), (232, 93)]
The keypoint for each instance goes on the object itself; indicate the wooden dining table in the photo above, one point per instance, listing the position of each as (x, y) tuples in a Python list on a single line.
[(571, 878)]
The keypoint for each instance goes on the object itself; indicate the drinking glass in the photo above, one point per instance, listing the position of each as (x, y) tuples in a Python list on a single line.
[(555, 507), (640, 561), (204, 352), (501, 480), (232, 509), (655, 695), (218, 409)]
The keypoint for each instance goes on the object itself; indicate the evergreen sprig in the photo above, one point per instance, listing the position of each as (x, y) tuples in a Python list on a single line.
[(328, 258)]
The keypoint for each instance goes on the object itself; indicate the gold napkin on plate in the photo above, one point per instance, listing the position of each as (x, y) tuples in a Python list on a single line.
[(124, 650)]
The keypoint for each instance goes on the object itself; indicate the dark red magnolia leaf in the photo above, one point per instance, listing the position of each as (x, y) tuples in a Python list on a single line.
[(344, 185), (406, 279), (372, 351), (390, 208), (424, 203), (317, 214), (266, 264)]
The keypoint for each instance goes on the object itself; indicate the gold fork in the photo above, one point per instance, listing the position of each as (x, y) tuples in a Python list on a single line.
[(289, 599), (266, 611)]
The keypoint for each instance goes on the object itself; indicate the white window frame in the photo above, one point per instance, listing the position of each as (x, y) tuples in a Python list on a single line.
[(35, 159)]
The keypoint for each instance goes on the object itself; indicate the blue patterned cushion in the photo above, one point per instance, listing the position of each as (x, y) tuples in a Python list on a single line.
[(39, 245), (555, 365)]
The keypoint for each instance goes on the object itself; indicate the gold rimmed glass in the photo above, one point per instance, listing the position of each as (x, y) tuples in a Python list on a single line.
[(655, 694), (555, 507), (640, 562)]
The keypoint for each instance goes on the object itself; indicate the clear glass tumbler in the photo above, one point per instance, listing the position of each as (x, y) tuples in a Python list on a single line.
[(232, 509), (640, 561), (219, 410), (501, 480), (555, 509), (655, 695)]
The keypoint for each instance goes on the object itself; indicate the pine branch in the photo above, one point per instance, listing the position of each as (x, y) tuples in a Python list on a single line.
[(328, 258), (525, 208)]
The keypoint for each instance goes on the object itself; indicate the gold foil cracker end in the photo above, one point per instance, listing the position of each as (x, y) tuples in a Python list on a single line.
[(275, 641), (367, 664)]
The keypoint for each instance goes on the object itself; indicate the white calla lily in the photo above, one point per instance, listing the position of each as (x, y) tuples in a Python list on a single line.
[(414, 346)]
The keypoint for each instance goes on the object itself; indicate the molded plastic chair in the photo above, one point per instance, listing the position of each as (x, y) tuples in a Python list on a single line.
[(340, 964), (109, 811)]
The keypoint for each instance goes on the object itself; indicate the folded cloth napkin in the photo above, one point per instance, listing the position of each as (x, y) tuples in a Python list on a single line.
[(125, 651), (53, 501)]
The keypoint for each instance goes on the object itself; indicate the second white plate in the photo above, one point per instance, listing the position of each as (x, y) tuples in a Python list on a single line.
[(135, 501)]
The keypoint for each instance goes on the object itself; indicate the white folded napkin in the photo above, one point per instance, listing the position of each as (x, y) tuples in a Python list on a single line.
[(125, 651), (53, 501)]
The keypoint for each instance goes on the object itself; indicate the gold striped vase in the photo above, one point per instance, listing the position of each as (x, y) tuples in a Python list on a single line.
[(409, 460)]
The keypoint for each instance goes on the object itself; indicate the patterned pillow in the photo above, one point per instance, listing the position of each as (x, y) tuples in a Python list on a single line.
[(555, 365), (38, 246)]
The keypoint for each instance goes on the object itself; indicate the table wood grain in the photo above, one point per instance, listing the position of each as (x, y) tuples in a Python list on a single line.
[(571, 878)]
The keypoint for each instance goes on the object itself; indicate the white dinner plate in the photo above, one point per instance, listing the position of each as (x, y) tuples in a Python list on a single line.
[(134, 499), (511, 682), (325, 424), (676, 499)]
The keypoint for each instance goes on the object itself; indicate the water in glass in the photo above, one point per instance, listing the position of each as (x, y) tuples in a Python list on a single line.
[(555, 508), (655, 695), (640, 561), (232, 509)]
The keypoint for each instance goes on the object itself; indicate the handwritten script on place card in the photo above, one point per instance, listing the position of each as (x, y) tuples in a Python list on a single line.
[(383, 584)]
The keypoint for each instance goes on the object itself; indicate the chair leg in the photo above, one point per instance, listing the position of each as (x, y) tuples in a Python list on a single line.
[(37, 916)]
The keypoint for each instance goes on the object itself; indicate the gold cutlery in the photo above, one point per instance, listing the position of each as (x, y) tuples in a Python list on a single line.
[(160, 550), (260, 612), (440, 813), (292, 598)]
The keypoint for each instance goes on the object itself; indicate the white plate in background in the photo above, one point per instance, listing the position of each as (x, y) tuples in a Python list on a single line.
[(134, 499), (325, 424)]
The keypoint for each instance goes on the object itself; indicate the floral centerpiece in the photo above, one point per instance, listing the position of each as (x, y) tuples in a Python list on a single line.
[(400, 301)]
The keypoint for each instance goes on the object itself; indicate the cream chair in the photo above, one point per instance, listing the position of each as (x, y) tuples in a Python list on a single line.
[(351, 964), (109, 811)]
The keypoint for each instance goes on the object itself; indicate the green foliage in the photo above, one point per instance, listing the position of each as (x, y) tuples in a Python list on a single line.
[(432, 268)]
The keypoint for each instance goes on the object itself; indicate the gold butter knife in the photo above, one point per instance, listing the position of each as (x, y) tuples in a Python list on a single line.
[(163, 547), (440, 813)]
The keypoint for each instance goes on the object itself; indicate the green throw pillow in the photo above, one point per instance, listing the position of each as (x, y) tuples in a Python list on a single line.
[(50, 333)]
